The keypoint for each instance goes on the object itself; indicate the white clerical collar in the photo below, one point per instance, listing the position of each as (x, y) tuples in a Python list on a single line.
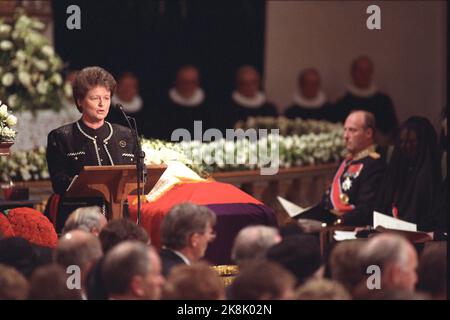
[(196, 99), (363, 93), (313, 103), (182, 256), (255, 102), (131, 106)]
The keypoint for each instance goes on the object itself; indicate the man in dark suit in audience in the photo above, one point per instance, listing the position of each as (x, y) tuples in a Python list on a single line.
[(185, 233)]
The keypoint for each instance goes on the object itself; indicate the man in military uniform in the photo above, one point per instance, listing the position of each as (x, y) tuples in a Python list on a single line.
[(351, 196)]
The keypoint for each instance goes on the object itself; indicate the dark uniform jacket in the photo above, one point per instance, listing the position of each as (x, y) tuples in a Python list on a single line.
[(352, 192), (73, 146)]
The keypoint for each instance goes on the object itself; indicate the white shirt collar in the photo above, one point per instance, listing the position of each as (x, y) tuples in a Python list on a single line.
[(131, 106), (363, 93), (182, 256), (313, 103), (196, 99), (257, 101)]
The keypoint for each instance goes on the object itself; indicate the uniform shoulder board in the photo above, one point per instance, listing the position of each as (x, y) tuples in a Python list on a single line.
[(374, 155)]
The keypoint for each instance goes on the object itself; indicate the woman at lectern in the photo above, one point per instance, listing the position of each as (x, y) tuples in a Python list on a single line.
[(90, 141)]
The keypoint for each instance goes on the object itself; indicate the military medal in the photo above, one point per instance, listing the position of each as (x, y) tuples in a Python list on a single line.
[(347, 184), (344, 198)]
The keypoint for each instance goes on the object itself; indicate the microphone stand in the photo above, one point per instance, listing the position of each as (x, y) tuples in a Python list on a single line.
[(141, 173)]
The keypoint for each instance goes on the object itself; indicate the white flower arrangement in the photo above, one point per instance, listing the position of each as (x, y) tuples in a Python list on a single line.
[(7, 121), (30, 71), (24, 166), (325, 146)]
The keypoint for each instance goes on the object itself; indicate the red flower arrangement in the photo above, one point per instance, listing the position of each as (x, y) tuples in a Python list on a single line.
[(6, 229), (32, 225)]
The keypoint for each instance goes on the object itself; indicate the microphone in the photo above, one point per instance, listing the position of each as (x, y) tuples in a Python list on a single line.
[(141, 170)]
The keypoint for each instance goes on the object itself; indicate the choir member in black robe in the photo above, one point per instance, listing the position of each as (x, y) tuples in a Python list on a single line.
[(185, 103), (247, 100), (127, 94), (413, 176), (90, 141), (362, 94), (310, 102)]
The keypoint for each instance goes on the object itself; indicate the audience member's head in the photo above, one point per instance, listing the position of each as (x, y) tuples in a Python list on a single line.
[(13, 285), (188, 228), (51, 282), (127, 87), (298, 254), (432, 270), (396, 258), (89, 219), (252, 243), (322, 289), (362, 72), (18, 253), (247, 81), (359, 131), (309, 83), (344, 264), (187, 81), (263, 280), (78, 248), (118, 230), (132, 270), (193, 282)]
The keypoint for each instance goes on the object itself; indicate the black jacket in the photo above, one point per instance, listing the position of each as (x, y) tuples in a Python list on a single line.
[(73, 146), (169, 259)]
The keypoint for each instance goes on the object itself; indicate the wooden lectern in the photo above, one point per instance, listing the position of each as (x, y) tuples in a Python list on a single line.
[(114, 183)]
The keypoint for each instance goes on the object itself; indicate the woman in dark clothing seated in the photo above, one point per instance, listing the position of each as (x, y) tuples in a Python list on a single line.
[(413, 176)]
